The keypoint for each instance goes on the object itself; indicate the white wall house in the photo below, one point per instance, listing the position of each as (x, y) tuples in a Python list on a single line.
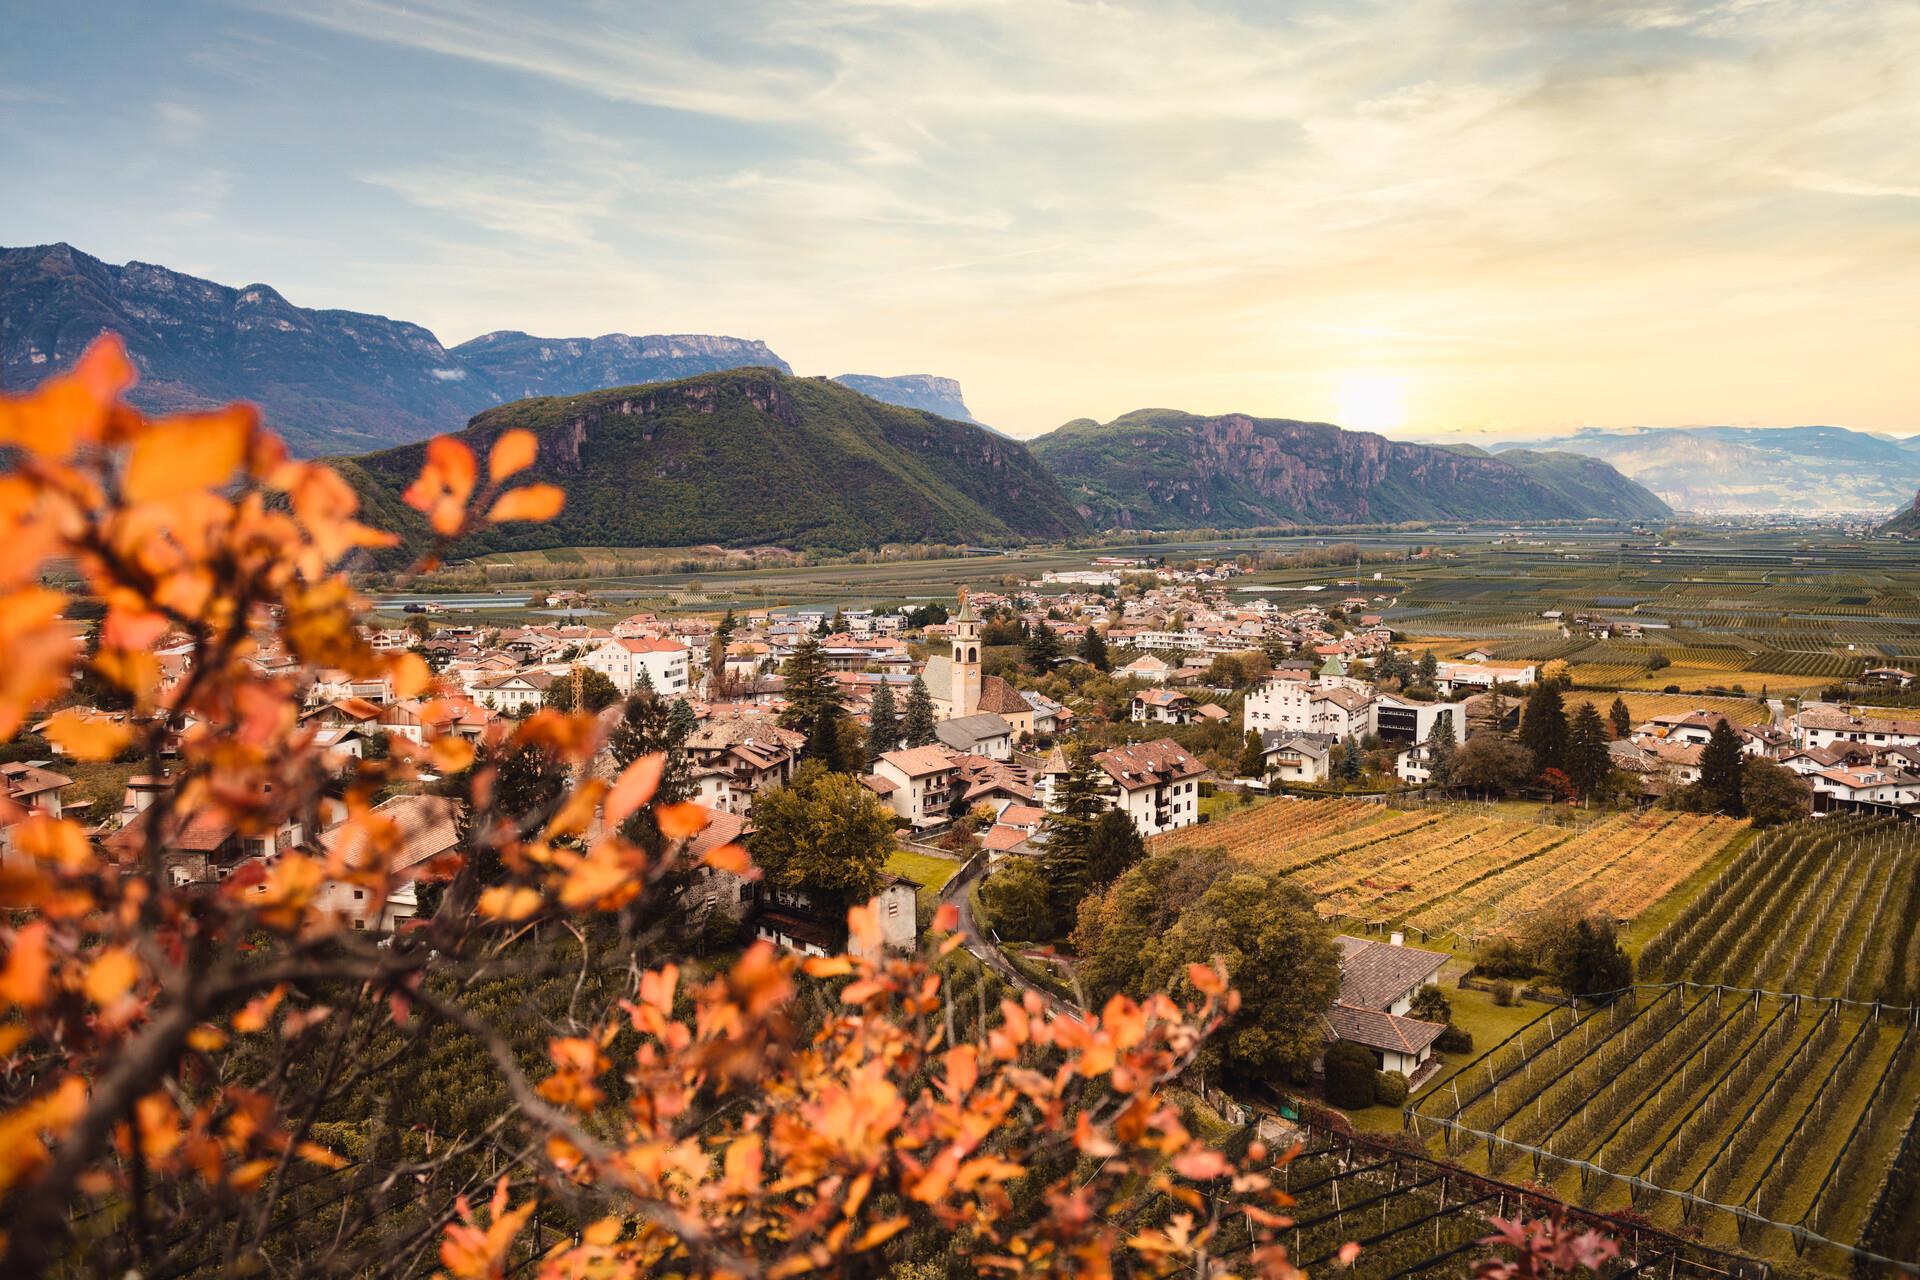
[(917, 782), (666, 663), (1157, 784)]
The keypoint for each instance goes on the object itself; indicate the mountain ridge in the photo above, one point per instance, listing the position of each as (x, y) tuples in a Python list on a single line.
[(1165, 468), (747, 457)]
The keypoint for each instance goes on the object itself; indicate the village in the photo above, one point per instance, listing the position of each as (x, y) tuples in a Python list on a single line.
[(979, 735)]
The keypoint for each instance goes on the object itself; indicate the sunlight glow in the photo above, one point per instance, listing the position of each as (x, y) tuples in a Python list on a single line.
[(1372, 402)]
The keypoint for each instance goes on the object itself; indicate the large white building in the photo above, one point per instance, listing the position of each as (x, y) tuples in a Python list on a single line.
[(1824, 725), (1157, 784), (666, 663), (1308, 707)]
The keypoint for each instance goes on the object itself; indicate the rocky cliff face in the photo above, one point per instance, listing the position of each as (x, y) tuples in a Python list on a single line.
[(329, 381), (913, 391), (1907, 523), (518, 365), (1164, 469)]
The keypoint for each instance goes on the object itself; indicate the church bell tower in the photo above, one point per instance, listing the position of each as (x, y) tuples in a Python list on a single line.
[(965, 698)]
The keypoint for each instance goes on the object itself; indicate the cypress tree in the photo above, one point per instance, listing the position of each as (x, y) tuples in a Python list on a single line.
[(1543, 728), (1588, 763), (883, 728), (1622, 718), (1440, 746), (649, 725), (916, 728), (1351, 769), (1069, 829), (1720, 768), (1428, 670), (1093, 650), (1253, 760)]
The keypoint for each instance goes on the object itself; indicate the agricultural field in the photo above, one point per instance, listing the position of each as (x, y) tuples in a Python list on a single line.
[(1776, 1124), (1829, 907), (1761, 1086), (1414, 1217), (1457, 875)]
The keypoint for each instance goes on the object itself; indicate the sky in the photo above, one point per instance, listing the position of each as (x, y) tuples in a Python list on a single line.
[(1512, 217)]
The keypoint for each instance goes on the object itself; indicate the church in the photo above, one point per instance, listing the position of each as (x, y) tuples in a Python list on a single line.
[(956, 685)]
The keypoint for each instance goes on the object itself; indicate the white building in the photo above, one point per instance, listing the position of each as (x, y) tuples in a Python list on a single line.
[(621, 660), (1308, 707), (917, 782), (1157, 784), (1823, 725)]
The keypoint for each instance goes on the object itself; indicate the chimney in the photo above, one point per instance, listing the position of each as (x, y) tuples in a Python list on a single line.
[(1397, 940)]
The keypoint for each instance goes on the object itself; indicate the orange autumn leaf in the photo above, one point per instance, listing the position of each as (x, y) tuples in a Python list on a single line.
[(24, 978), (731, 858), (533, 502), (511, 454), (635, 787), (111, 976), (452, 755), (509, 902), (71, 407), (87, 737), (180, 455), (678, 821)]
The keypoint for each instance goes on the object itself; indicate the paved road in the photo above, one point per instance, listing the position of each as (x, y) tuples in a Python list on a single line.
[(982, 947)]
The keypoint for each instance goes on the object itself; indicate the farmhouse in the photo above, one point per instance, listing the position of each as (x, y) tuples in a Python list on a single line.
[(1378, 981)]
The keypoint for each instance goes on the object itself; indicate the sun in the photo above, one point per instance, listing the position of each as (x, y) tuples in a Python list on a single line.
[(1372, 402)]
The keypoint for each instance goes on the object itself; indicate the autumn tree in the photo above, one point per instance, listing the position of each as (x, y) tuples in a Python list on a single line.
[(582, 689), (211, 1072)]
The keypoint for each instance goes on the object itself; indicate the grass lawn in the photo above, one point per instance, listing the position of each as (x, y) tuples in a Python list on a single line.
[(1475, 1013), (103, 783), (930, 871)]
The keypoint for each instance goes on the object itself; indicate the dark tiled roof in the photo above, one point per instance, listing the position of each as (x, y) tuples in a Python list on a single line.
[(1377, 1030), (1375, 974)]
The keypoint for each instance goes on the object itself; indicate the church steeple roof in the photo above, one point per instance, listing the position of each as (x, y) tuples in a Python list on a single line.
[(966, 613)]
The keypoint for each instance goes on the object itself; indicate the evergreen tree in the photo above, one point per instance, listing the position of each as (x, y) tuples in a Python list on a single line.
[(1586, 959), (1588, 762), (723, 632), (649, 724), (1440, 747), (1352, 766), (827, 744), (1113, 846), (1543, 728), (916, 727), (1093, 650), (1621, 718), (883, 727), (810, 686), (1069, 829), (1428, 670), (1720, 770), (1253, 759), (1041, 648)]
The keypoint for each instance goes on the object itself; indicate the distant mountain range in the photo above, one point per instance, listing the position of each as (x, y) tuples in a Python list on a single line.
[(1742, 469), (748, 457), (336, 381), (1163, 469)]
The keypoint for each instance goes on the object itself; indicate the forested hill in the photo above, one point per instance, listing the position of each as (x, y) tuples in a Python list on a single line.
[(748, 457), (1585, 482), (1163, 469)]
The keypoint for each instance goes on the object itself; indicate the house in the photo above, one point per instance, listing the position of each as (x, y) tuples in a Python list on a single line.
[(735, 759), (1822, 724), (1458, 677), (917, 782), (982, 734), (1157, 784), (1147, 667), (787, 919), (423, 828), (200, 848), (32, 787), (1857, 787), (1887, 677), (1398, 719), (1378, 981), (1335, 705), (1019, 710), (621, 660), (1414, 766), (513, 695), (1162, 706), (1302, 758)]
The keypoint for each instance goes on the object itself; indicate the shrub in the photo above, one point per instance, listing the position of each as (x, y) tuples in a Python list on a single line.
[(1350, 1073), (1506, 958), (1430, 1004), (1389, 1088), (1454, 1040), (1504, 994)]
